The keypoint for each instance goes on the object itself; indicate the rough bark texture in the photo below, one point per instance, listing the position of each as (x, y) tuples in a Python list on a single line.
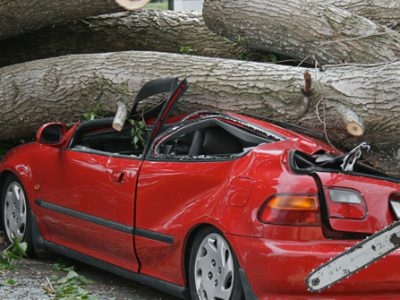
[(301, 29), (21, 16), (64, 88), (165, 31), (385, 12)]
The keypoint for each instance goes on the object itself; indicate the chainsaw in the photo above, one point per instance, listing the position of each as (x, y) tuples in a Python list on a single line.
[(360, 256)]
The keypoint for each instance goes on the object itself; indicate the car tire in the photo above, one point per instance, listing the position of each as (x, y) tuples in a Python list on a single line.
[(15, 213), (213, 268)]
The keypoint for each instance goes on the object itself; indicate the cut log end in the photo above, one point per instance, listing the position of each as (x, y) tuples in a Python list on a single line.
[(355, 129), (132, 4), (354, 124)]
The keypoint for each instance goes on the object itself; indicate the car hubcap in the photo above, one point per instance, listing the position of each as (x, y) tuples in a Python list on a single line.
[(214, 268), (15, 212)]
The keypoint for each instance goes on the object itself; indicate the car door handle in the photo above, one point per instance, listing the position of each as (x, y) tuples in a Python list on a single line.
[(117, 177)]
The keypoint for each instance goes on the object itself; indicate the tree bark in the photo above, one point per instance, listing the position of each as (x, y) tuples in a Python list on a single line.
[(164, 31), (385, 12), (303, 29), (64, 88), (21, 16)]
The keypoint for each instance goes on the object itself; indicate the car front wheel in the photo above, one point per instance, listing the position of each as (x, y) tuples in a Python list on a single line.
[(213, 268), (15, 214)]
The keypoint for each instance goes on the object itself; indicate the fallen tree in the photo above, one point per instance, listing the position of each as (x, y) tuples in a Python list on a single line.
[(18, 17), (303, 30), (385, 12), (163, 30), (64, 88)]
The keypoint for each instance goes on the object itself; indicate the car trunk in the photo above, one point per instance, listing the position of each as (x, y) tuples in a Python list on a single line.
[(353, 204), (376, 193)]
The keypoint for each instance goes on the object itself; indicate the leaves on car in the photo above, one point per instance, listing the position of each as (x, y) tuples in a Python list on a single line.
[(138, 132)]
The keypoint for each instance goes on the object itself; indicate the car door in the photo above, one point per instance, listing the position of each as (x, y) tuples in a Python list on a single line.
[(167, 192), (90, 204), (89, 196)]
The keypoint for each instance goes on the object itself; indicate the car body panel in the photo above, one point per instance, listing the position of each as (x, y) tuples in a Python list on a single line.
[(376, 194), (165, 208), (174, 196), (277, 269), (85, 183)]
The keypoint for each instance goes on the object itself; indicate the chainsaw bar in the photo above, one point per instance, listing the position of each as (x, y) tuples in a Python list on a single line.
[(355, 258)]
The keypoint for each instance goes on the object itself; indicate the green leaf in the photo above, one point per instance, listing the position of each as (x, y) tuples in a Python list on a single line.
[(72, 274), (62, 280), (10, 282), (96, 111), (60, 266), (186, 50), (23, 247), (70, 286)]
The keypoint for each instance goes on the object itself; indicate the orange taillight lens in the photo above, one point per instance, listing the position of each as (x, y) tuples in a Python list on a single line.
[(301, 210)]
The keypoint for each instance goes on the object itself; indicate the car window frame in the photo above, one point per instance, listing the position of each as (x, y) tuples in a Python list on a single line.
[(164, 134), (92, 151)]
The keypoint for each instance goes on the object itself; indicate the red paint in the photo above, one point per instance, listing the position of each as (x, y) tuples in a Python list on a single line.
[(173, 198), (239, 191), (376, 194)]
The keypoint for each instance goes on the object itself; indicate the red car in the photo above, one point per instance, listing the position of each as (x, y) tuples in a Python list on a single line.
[(211, 206)]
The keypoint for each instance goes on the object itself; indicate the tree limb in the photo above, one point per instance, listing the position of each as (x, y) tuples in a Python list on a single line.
[(303, 29), (64, 88), (156, 30), (18, 17), (385, 12)]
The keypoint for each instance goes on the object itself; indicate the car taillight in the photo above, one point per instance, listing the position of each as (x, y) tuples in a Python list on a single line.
[(346, 204), (300, 210)]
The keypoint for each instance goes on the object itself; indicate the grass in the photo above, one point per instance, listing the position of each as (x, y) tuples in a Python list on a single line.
[(157, 5)]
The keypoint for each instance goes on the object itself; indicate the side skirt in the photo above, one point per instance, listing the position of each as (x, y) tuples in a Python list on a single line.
[(170, 288)]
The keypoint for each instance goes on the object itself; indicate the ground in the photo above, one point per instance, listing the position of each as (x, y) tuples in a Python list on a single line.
[(30, 277)]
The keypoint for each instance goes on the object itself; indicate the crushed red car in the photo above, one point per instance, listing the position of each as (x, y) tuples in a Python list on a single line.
[(211, 206)]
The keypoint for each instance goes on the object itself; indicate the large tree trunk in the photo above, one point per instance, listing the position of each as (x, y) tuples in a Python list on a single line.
[(303, 29), (21, 16), (385, 12), (64, 88), (164, 31)]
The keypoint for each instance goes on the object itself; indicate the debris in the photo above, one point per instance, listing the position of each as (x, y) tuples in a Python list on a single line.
[(13, 253)]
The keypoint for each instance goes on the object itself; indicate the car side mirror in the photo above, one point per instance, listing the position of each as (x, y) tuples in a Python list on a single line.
[(51, 134)]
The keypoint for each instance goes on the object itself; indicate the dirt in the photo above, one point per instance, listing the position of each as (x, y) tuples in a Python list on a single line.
[(30, 276)]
